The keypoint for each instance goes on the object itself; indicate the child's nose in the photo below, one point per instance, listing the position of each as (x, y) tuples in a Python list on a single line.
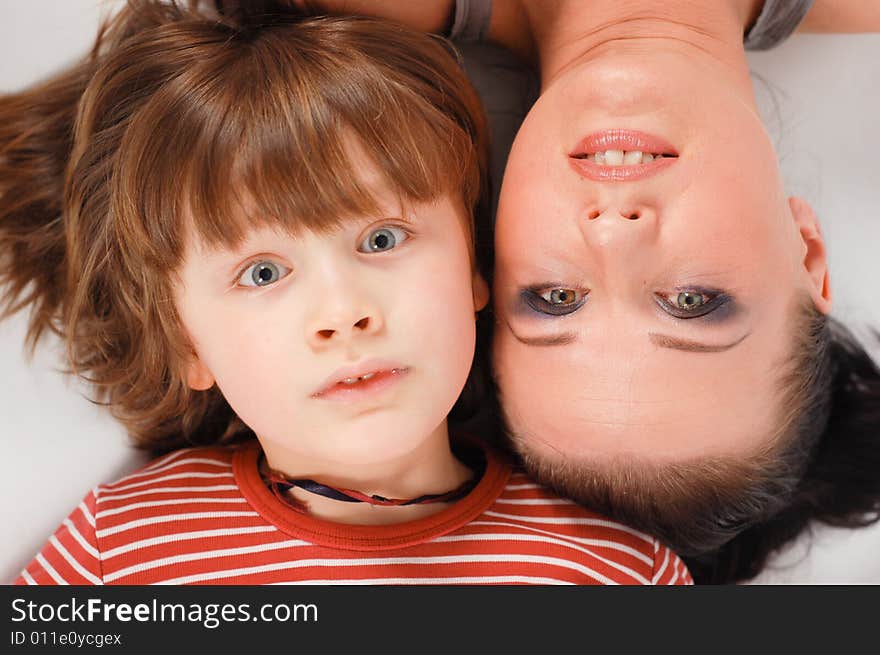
[(342, 326)]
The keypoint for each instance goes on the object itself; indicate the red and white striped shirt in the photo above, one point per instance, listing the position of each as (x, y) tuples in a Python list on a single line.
[(204, 516)]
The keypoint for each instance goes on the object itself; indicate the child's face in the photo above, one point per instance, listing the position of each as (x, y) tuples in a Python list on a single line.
[(284, 325)]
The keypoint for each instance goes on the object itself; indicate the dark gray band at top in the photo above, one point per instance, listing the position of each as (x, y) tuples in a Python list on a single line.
[(471, 20), (777, 21)]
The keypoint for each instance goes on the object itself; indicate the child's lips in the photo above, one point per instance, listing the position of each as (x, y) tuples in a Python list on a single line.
[(360, 381)]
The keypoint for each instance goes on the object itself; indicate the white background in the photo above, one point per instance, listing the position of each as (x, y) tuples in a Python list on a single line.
[(820, 96)]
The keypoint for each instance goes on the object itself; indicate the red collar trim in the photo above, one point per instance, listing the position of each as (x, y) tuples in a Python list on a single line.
[(367, 537)]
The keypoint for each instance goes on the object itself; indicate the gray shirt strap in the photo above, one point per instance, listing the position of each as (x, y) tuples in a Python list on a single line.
[(777, 21), (471, 20)]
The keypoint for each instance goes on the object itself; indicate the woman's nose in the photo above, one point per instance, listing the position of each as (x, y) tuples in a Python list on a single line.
[(629, 213), (618, 224)]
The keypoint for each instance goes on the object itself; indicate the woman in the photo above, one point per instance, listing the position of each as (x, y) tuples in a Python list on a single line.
[(662, 344)]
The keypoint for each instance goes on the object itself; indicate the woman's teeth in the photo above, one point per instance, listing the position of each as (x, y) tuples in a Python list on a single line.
[(622, 157)]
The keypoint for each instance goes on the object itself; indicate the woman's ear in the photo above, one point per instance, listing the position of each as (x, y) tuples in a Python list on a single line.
[(815, 259), (481, 291), (198, 377)]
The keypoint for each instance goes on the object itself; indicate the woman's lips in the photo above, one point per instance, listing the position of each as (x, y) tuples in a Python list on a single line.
[(617, 141)]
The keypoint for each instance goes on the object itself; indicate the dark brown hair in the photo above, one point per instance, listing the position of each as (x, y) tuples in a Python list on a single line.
[(184, 111)]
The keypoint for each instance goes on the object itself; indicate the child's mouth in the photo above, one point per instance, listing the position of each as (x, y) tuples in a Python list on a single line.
[(355, 387)]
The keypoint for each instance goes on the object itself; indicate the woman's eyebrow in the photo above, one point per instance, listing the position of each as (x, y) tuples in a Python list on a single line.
[(666, 341), (662, 340), (562, 339)]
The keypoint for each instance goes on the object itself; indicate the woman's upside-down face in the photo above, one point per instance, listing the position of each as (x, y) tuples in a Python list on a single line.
[(648, 266)]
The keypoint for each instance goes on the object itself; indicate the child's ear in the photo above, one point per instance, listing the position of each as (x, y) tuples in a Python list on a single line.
[(815, 259), (481, 292), (198, 377)]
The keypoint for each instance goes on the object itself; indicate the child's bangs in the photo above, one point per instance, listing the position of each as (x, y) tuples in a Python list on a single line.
[(313, 141)]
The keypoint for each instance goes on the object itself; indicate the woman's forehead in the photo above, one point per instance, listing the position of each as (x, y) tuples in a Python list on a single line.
[(615, 394)]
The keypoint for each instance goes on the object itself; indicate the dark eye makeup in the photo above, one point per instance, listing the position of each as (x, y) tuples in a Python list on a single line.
[(554, 299), (697, 302)]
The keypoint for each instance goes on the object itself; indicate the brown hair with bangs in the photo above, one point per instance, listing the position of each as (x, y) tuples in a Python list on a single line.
[(181, 111)]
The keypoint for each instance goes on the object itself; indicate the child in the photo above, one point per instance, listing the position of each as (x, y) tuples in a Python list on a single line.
[(262, 256)]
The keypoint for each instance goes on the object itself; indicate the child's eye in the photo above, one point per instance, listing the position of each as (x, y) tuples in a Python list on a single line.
[(382, 239), (262, 274)]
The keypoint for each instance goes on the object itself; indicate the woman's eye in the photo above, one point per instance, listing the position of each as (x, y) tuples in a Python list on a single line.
[(555, 301), (691, 303), (560, 296), (383, 239), (262, 274)]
